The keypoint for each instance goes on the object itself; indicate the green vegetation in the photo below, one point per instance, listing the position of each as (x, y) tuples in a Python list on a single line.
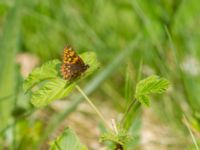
[(67, 140), (145, 48)]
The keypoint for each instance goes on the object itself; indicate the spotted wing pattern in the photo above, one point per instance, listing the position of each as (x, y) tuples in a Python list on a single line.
[(72, 66)]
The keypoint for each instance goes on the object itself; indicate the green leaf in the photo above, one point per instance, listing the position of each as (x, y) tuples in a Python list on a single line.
[(53, 89), (47, 71), (45, 83), (150, 85), (67, 141), (144, 100)]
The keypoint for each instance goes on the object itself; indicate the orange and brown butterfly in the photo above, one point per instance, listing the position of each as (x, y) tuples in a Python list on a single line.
[(73, 66)]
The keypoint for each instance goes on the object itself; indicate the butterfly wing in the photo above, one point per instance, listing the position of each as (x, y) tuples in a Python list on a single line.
[(73, 66)]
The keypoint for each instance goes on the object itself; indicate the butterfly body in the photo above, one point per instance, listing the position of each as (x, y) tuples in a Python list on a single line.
[(73, 66)]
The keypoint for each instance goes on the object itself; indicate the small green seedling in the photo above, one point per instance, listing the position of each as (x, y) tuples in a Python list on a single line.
[(46, 84)]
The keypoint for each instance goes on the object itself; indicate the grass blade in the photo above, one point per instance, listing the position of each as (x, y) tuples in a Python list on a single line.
[(8, 49)]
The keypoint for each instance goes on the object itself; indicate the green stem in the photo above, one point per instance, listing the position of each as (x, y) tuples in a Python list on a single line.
[(128, 109), (93, 106)]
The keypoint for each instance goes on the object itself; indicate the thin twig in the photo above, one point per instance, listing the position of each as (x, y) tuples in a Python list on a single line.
[(93, 106)]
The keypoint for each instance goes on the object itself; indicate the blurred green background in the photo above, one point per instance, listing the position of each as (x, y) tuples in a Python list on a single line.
[(162, 35)]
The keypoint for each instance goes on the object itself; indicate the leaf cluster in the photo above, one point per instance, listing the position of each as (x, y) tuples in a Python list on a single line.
[(150, 85), (45, 83)]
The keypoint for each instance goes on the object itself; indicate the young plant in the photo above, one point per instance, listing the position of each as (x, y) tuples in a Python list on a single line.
[(47, 83), (145, 87)]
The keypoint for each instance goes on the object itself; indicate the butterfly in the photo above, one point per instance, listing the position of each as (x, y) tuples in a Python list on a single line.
[(73, 66)]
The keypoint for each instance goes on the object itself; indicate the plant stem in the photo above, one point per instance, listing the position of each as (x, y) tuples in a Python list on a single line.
[(93, 106), (128, 109)]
